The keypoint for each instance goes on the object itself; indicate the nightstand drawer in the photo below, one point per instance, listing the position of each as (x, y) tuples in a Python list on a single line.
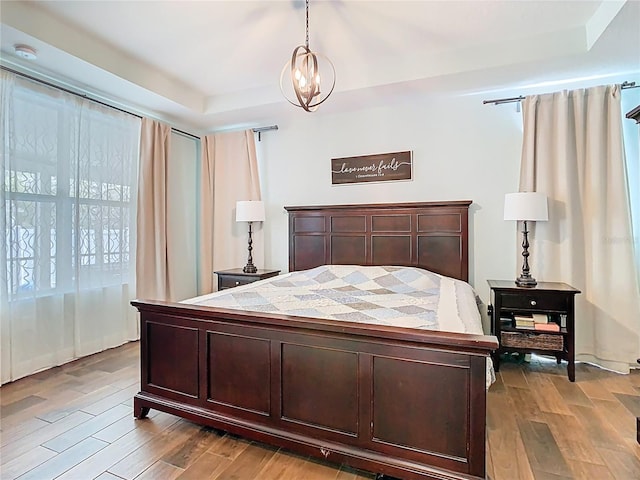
[(535, 301), (237, 276), (229, 281)]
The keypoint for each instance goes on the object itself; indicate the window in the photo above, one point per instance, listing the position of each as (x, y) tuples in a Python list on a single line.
[(68, 188), (68, 213)]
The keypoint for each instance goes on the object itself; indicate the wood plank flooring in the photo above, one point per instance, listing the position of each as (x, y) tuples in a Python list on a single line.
[(541, 426), (76, 422)]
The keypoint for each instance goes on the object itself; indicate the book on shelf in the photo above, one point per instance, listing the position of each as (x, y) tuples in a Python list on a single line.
[(540, 318), (523, 321), (547, 327), (525, 327)]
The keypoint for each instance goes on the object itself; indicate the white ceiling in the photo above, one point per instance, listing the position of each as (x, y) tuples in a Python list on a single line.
[(212, 65)]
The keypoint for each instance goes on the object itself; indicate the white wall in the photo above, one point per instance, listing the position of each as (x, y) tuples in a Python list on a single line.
[(462, 150)]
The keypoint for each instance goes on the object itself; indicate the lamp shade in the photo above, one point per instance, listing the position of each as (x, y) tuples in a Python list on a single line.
[(249, 211), (526, 206)]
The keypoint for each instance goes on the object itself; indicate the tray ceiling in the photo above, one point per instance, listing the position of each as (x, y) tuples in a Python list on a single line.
[(216, 64)]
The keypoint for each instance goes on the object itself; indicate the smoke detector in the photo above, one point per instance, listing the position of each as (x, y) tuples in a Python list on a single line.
[(25, 51)]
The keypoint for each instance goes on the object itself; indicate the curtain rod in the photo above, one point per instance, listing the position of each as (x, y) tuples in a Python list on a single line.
[(87, 97), (259, 130), (499, 101)]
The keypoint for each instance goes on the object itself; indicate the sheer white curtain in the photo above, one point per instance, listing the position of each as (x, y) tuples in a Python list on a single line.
[(573, 151), (68, 216)]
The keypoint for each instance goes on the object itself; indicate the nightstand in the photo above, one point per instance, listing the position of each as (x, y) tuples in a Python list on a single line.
[(554, 300), (236, 277)]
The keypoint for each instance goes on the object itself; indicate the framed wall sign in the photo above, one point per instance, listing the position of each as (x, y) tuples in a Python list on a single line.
[(372, 168)]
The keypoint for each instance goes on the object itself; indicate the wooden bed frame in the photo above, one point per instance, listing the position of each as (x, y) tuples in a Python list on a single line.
[(401, 402)]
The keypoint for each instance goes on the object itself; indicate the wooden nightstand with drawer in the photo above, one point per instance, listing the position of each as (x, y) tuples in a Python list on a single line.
[(553, 300), (236, 277)]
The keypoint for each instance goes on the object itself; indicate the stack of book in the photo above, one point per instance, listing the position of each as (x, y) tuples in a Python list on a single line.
[(536, 321), (524, 321), (543, 323)]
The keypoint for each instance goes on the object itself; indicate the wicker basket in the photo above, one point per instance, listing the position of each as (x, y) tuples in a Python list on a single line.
[(539, 341)]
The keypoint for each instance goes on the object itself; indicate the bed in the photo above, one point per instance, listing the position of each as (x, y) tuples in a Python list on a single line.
[(405, 402)]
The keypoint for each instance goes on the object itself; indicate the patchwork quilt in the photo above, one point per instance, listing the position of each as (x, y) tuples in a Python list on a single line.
[(382, 295), (396, 296)]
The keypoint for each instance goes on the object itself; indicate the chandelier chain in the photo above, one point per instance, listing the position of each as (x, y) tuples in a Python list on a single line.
[(307, 10)]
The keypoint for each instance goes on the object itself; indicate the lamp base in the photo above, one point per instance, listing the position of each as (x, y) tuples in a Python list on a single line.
[(249, 268), (526, 281)]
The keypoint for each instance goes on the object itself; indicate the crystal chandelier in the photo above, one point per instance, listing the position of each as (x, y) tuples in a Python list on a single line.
[(302, 87)]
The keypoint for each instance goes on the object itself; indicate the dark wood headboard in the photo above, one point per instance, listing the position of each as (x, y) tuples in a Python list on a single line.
[(430, 235)]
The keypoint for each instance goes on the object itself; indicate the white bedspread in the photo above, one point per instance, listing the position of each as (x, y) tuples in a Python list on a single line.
[(382, 295)]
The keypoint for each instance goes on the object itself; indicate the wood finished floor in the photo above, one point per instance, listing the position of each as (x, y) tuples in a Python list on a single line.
[(541, 426), (76, 422)]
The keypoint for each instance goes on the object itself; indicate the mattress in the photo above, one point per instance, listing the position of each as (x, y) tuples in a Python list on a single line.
[(406, 297)]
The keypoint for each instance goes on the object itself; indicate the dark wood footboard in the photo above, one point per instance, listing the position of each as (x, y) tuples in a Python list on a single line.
[(406, 403)]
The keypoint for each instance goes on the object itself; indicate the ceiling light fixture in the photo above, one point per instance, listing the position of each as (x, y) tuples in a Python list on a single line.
[(304, 71), (25, 51)]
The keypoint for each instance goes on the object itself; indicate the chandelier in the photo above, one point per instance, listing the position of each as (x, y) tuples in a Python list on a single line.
[(302, 88)]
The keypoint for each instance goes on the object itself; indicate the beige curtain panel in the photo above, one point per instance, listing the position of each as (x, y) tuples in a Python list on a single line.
[(573, 151), (152, 272), (229, 173)]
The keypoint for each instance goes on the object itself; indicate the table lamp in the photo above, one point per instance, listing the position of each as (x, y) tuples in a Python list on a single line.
[(527, 207), (250, 211)]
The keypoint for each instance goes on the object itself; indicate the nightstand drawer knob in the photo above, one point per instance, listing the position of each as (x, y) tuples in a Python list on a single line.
[(533, 303), (237, 283)]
